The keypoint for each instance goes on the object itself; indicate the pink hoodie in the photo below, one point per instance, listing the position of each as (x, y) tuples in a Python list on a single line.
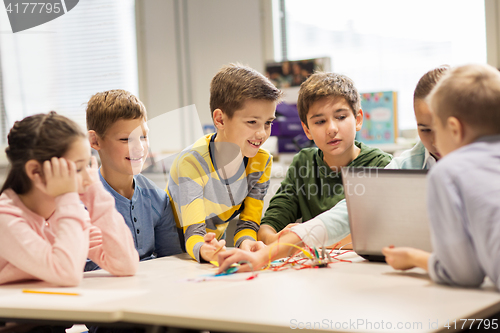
[(55, 250)]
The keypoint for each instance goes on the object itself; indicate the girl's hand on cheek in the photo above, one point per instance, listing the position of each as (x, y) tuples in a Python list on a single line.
[(60, 177)]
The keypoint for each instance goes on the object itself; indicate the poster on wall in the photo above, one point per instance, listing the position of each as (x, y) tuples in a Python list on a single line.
[(289, 75), (380, 123)]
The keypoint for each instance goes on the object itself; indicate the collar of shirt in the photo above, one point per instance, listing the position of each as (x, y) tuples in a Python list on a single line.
[(117, 195), (429, 160)]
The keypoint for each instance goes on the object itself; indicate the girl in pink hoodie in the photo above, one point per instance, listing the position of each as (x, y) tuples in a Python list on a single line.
[(45, 231)]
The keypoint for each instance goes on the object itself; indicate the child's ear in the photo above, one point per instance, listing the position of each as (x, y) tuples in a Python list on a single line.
[(457, 130), (359, 120), (306, 130), (32, 168), (218, 117), (94, 140)]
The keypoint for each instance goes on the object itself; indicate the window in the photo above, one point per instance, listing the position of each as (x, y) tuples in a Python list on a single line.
[(386, 44), (60, 64)]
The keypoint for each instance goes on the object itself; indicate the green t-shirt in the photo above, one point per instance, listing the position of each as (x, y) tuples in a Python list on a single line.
[(310, 187)]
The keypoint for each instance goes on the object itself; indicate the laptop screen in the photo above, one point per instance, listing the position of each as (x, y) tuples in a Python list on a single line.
[(386, 207)]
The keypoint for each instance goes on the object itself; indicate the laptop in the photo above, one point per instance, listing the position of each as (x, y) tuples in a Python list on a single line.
[(386, 207)]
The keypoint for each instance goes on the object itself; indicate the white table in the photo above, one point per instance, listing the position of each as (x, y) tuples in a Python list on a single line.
[(344, 297)]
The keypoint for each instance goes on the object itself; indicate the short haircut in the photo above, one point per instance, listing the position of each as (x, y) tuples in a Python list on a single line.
[(429, 81), (321, 85), (234, 84), (471, 93), (105, 108)]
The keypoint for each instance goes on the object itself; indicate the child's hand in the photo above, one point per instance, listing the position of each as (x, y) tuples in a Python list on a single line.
[(404, 258), (211, 247), (60, 177), (93, 171), (252, 246), (256, 259)]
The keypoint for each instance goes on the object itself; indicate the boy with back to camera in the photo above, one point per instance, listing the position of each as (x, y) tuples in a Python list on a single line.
[(464, 187), (226, 173), (116, 121)]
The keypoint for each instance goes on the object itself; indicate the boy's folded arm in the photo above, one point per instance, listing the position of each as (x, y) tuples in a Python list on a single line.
[(464, 276), (248, 224), (111, 243), (194, 239), (193, 217), (188, 177), (245, 230)]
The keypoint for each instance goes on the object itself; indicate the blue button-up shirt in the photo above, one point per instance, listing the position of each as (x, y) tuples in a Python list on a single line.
[(149, 217)]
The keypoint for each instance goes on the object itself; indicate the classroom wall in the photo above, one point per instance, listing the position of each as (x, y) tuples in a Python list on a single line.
[(492, 12), (182, 44)]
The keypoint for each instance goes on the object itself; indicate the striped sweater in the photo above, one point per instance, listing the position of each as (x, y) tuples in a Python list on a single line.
[(203, 200)]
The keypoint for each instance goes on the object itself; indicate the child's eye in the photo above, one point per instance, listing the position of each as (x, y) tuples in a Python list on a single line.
[(319, 122), (269, 123), (144, 137), (252, 122), (78, 170), (427, 130), (124, 139), (341, 117)]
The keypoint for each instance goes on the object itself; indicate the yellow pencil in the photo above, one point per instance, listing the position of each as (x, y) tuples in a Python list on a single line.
[(27, 291)]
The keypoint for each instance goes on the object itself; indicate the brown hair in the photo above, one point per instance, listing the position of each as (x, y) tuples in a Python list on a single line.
[(234, 84), (471, 93), (39, 137), (105, 108), (428, 81), (320, 85)]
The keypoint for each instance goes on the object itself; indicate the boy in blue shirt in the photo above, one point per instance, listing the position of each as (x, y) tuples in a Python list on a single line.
[(464, 191), (116, 121)]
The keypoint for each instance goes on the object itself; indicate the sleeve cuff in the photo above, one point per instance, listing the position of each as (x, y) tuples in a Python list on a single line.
[(313, 233), (196, 252), (241, 239), (431, 268)]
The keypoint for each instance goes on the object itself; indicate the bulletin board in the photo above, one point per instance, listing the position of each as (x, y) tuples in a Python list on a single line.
[(380, 121)]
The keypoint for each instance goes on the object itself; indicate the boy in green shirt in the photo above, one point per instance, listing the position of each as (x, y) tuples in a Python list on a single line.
[(330, 110)]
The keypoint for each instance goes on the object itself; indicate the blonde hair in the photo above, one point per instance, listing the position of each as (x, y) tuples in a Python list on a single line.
[(105, 108), (320, 85), (471, 93), (234, 84)]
